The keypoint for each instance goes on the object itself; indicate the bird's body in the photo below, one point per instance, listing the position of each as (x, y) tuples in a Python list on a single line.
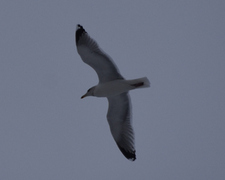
[(117, 87), (113, 86)]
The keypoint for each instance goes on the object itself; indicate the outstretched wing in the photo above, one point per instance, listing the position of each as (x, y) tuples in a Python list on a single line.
[(91, 54), (119, 119)]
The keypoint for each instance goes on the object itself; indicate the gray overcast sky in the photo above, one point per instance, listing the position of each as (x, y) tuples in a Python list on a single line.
[(48, 132)]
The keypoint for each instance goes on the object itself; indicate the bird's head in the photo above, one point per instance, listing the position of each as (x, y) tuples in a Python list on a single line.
[(90, 92)]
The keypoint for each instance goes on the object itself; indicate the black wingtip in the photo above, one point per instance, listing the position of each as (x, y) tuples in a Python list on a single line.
[(79, 32), (128, 154)]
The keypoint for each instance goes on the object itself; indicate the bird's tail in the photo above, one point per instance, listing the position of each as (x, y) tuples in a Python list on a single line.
[(140, 82)]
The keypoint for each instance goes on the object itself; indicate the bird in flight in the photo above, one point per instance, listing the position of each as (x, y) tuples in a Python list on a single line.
[(114, 87)]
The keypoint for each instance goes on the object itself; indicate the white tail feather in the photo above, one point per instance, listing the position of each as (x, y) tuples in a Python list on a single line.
[(140, 82)]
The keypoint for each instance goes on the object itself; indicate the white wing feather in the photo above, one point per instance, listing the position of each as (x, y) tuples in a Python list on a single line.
[(119, 119), (92, 55)]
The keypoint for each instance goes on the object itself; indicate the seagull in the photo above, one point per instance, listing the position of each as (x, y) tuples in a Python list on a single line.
[(114, 87)]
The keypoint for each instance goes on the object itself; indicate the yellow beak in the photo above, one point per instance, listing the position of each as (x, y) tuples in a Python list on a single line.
[(83, 96)]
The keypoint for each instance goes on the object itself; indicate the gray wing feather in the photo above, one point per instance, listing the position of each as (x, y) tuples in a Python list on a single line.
[(119, 119), (92, 55)]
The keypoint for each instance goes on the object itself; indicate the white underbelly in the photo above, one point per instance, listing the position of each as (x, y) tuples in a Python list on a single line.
[(112, 88)]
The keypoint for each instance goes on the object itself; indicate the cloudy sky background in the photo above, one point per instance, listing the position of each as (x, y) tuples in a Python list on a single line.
[(48, 132)]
